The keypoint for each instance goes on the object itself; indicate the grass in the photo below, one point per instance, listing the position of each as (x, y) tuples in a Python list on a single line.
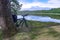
[(53, 33), (39, 29), (42, 24)]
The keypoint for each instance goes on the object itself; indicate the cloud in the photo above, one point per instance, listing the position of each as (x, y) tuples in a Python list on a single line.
[(54, 3), (36, 3)]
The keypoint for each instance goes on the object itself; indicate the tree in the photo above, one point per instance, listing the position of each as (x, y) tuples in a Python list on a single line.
[(6, 21), (15, 6)]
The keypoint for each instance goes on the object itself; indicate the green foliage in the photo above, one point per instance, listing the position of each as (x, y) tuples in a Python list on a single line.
[(15, 6), (16, 2)]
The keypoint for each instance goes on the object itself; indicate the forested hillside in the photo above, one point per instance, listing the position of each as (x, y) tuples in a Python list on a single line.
[(54, 10)]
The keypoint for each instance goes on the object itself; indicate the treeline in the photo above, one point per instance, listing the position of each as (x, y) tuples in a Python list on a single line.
[(54, 10)]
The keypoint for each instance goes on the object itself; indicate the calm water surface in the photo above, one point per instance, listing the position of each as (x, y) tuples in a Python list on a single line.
[(39, 18)]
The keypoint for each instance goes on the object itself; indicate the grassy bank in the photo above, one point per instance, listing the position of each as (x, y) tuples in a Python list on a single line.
[(39, 31)]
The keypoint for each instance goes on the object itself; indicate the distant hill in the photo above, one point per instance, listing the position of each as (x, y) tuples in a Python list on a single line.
[(54, 10)]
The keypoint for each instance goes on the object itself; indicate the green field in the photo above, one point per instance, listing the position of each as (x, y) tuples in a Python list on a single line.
[(40, 31)]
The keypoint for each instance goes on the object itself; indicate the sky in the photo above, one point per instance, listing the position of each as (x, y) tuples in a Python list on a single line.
[(39, 4)]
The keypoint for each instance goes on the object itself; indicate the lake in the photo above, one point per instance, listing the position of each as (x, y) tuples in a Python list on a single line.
[(39, 18)]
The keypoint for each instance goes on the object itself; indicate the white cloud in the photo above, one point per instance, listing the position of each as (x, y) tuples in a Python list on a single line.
[(49, 4), (54, 3)]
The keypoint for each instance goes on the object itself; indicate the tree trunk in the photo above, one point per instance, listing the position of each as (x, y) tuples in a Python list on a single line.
[(6, 21)]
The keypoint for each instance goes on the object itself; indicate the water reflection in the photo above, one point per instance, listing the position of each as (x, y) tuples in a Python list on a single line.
[(39, 18)]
